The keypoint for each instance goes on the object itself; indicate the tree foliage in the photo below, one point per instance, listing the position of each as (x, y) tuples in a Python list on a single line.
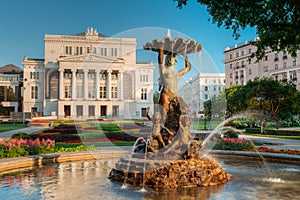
[(275, 99), (277, 22)]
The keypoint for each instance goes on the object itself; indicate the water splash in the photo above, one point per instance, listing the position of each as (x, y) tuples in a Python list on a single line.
[(124, 186), (210, 141), (142, 190), (273, 180)]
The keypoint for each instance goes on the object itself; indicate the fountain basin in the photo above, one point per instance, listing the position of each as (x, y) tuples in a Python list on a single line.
[(88, 179)]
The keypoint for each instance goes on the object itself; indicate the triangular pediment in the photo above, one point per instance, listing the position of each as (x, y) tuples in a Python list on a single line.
[(91, 57)]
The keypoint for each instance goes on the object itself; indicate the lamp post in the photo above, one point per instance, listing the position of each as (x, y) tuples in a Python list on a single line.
[(260, 97)]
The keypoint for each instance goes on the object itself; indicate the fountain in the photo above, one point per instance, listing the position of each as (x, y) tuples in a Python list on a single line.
[(173, 159)]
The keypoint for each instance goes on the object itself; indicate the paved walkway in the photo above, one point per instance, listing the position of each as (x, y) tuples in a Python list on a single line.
[(8, 134)]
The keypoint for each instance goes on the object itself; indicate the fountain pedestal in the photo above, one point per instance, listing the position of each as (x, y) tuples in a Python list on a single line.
[(164, 173)]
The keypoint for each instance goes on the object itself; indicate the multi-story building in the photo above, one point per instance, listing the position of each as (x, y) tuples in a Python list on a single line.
[(239, 69), (201, 88), (88, 76), (10, 89)]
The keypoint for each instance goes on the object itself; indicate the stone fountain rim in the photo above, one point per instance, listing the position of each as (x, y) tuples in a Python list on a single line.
[(8, 165)]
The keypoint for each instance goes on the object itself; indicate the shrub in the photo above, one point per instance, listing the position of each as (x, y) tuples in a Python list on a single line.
[(233, 144), (21, 135), (231, 134)]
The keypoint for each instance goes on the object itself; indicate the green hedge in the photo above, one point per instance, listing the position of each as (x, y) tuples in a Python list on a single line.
[(274, 132)]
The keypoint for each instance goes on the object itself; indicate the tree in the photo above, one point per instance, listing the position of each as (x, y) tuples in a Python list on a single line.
[(277, 22), (276, 100)]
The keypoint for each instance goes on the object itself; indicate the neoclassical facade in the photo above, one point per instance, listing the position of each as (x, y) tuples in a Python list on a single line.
[(201, 88), (88, 76)]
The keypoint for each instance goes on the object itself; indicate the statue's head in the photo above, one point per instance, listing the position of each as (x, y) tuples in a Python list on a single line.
[(170, 59)]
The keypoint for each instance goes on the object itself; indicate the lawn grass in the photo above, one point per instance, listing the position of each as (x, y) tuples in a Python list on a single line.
[(199, 124), (10, 127)]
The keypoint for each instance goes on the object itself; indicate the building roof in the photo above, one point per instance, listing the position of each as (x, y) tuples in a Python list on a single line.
[(10, 68), (84, 33)]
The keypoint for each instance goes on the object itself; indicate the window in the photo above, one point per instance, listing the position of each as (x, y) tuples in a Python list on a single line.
[(249, 51), (144, 94), (79, 91), (79, 111), (114, 75), (114, 92), (114, 52), (102, 92), (237, 54), (76, 51), (266, 58), (206, 88), (103, 110), (284, 55), (91, 92), (206, 96), (215, 88), (143, 78), (67, 74), (91, 111), (250, 71), (230, 56), (80, 51), (68, 91), (115, 111), (276, 57), (144, 112), (33, 109), (249, 61), (103, 75), (79, 74), (243, 63), (294, 63), (230, 66), (284, 65), (265, 68), (68, 50), (34, 92), (242, 53), (91, 75), (103, 51), (230, 76), (34, 75)]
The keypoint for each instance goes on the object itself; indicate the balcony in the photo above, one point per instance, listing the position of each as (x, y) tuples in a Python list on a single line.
[(276, 59), (9, 77), (284, 57)]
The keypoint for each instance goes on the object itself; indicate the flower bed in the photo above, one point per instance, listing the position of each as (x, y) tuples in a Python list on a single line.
[(94, 140), (285, 151), (23, 147)]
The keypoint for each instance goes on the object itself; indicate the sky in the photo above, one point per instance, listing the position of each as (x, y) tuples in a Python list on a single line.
[(23, 24)]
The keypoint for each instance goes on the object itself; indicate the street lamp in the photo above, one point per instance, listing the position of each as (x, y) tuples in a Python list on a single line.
[(260, 97)]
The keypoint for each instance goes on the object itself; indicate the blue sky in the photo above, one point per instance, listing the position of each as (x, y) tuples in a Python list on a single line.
[(23, 24)]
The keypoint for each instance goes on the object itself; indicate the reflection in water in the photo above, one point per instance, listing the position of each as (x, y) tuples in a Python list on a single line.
[(88, 180)]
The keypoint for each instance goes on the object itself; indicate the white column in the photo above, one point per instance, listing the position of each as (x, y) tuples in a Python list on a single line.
[(85, 83), (97, 83), (120, 89), (108, 85), (61, 84), (73, 83)]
